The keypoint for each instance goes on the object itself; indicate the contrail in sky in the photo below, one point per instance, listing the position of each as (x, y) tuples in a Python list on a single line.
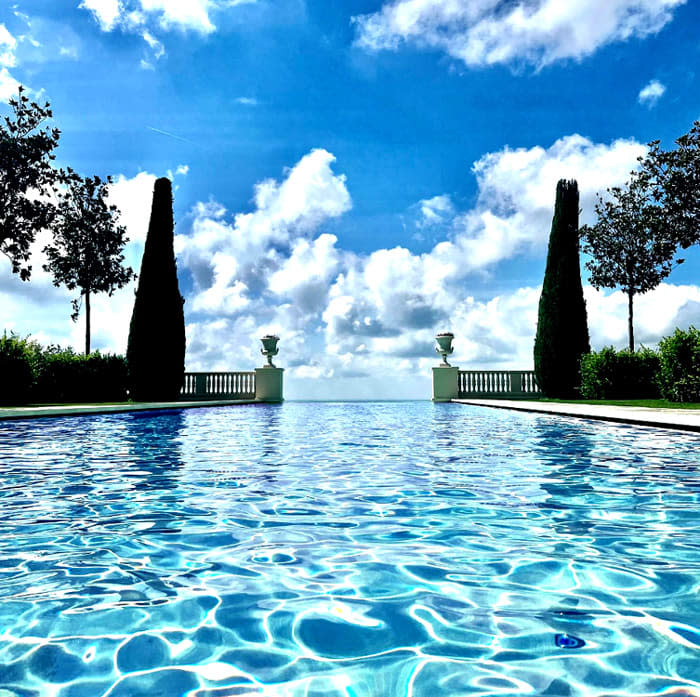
[(170, 135)]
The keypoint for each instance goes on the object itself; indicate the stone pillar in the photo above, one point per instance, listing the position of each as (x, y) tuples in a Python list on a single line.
[(445, 383), (268, 384)]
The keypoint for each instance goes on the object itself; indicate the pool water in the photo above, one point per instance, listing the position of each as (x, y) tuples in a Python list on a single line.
[(347, 550)]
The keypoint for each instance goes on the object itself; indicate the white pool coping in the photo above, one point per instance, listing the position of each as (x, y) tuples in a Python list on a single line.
[(81, 409), (683, 419)]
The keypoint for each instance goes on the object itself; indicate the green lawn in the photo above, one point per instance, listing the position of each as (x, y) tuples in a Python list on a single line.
[(651, 403)]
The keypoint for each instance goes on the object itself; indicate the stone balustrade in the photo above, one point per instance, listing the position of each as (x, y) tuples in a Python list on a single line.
[(449, 382), (504, 384), (239, 385)]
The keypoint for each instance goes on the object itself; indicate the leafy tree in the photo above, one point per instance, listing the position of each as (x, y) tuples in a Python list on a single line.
[(674, 176), (87, 251), (156, 350), (27, 177), (562, 327), (631, 245)]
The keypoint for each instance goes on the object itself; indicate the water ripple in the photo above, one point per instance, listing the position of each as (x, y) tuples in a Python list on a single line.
[(347, 550)]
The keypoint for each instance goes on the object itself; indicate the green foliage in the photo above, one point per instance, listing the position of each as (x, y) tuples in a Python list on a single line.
[(31, 373), (675, 176), (156, 349), (66, 376), (562, 328), (610, 374), (630, 245), (18, 368), (26, 154), (679, 373), (87, 251)]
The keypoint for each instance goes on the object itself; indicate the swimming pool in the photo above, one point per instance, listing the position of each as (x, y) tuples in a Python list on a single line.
[(347, 550)]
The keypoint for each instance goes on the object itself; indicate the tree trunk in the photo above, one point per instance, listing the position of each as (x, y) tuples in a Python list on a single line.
[(87, 322), (630, 318)]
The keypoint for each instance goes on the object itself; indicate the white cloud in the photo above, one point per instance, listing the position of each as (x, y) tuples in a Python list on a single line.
[(651, 93), (182, 14), (515, 201), (106, 12), (488, 32), (354, 317), (8, 59), (260, 244), (8, 85), (247, 101), (435, 210), (186, 15), (8, 44), (353, 324), (155, 45)]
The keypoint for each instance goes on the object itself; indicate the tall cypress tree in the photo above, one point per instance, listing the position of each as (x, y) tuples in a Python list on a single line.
[(156, 349), (562, 327)]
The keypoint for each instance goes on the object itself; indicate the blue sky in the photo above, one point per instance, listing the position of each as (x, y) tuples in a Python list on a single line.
[(355, 175)]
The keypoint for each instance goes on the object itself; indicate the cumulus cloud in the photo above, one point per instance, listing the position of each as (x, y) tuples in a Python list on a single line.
[(435, 210), (192, 15), (516, 195), (345, 315), (8, 43), (265, 249), (8, 59), (8, 85), (651, 93), (355, 324), (106, 12), (488, 32)]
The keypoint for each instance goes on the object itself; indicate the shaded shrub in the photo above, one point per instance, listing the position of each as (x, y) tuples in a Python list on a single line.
[(611, 374), (18, 368), (679, 370), (65, 376), (31, 373)]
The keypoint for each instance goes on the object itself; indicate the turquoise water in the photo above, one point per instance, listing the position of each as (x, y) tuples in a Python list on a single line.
[(347, 550)]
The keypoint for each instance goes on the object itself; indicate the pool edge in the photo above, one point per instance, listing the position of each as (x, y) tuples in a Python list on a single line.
[(654, 418), (89, 409)]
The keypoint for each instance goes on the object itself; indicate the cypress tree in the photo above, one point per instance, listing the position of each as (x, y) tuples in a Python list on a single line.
[(156, 349), (562, 327)]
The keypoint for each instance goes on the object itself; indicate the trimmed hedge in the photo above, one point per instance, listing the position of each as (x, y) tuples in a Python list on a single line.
[(31, 373), (611, 374), (18, 368), (66, 376), (679, 370)]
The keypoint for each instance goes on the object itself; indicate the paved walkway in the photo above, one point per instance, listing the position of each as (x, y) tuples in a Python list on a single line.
[(684, 419), (78, 409)]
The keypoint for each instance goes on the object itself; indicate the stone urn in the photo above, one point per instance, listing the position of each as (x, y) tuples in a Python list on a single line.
[(269, 349), (444, 347)]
